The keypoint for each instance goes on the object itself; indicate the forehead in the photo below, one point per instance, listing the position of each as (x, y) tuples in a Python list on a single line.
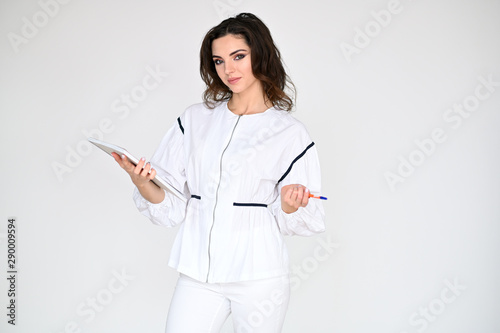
[(227, 44)]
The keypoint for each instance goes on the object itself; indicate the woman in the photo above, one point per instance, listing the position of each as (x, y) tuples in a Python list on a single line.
[(247, 167)]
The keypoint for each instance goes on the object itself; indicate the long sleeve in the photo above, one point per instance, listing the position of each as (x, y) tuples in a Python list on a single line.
[(169, 162), (231, 169), (309, 220)]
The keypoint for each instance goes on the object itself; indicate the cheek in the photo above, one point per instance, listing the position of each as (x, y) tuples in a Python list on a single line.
[(247, 67), (220, 71)]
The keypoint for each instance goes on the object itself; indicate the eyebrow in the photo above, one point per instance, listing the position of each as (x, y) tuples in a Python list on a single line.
[(216, 56)]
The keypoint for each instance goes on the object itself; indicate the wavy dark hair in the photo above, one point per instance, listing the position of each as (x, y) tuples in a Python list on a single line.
[(267, 65)]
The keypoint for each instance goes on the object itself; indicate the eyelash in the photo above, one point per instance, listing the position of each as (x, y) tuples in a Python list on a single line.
[(237, 57)]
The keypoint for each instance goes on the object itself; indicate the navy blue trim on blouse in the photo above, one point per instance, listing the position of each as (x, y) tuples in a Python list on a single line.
[(195, 196), (249, 204), (180, 124), (295, 160)]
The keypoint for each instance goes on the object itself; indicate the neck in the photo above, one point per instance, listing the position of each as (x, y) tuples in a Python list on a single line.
[(249, 102)]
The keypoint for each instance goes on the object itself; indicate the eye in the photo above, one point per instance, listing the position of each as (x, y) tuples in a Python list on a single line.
[(217, 61), (239, 56)]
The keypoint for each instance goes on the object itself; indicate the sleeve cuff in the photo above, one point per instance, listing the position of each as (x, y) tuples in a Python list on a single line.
[(161, 213)]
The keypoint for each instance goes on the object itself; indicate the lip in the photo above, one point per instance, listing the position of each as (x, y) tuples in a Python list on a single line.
[(233, 80)]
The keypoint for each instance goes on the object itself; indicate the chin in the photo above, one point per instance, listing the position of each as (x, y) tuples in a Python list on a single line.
[(236, 90)]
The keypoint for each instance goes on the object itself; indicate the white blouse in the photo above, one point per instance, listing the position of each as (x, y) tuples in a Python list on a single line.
[(232, 169)]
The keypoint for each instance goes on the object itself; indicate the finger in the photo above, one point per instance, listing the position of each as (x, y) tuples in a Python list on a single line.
[(285, 190), (145, 170), (153, 174), (138, 168), (126, 164), (300, 194), (117, 159), (294, 195), (287, 195), (305, 199)]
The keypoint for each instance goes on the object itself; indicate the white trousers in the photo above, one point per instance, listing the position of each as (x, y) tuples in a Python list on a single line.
[(256, 306)]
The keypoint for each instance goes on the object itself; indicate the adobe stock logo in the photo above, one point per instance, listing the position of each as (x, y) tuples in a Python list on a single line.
[(421, 319), (89, 309), (309, 265), (266, 308), (455, 116), (30, 28), (121, 106), (363, 37)]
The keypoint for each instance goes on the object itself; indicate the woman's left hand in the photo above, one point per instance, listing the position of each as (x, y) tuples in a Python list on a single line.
[(294, 196)]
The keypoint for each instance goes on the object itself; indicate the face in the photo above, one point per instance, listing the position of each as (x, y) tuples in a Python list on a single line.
[(232, 59)]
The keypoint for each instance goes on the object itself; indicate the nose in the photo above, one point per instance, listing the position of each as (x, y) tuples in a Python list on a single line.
[(229, 68)]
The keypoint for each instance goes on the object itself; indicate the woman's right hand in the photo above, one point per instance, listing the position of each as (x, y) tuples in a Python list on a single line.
[(140, 174)]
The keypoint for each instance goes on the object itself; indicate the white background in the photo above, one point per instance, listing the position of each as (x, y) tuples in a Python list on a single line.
[(397, 249)]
